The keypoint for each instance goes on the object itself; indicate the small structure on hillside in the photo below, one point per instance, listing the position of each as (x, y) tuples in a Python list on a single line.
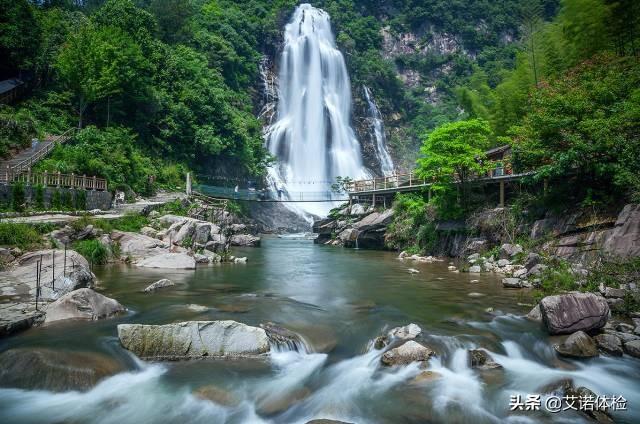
[(10, 89), (501, 157)]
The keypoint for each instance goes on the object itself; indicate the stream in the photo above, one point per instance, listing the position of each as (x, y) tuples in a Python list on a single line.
[(338, 300)]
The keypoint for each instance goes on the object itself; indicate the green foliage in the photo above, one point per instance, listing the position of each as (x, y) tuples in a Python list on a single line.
[(92, 250), (18, 199), (22, 236), (454, 152), (80, 200), (410, 214), (583, 127), (19, 34), (17, 128), (39, 197), (56, 200), (616, 273)]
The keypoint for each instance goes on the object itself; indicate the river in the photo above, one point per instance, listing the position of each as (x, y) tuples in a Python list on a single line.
[(338, 300)]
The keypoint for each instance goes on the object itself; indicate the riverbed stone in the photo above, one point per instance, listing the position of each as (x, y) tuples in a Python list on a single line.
[(503, 263), (578, 345), (475, 269), (568, 313), (149, 232), (136, 246), (512, 283), (216, 395), (168, 261), (246, 240), (535, 314), (160, 284), (508, 250), (479, 358), (82, 304), (609, 343), (194, 339), (532, 260), (407, 353), (632, 348), (613, 292), (599, 416), (54, 370)]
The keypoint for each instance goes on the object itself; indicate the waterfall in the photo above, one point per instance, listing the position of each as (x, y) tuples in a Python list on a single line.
[(312, 138), (382, 154)]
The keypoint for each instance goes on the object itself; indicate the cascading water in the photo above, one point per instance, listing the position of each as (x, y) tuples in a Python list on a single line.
[(382, 154), (312, 137)]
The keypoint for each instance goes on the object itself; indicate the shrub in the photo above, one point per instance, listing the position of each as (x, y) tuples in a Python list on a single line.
[(67, 200), (17, 197), (23, 236), (81, 200), (39, 197), (94, 251), (56, 200)]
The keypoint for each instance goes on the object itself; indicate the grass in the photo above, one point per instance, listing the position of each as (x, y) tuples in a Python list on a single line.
[(130, 222), (23, 236), (93, 251)]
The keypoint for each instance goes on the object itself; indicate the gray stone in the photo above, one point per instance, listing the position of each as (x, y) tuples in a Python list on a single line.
[(478, 358), (578, 345), (537, 270), (160, 284), (616, 304), (609, 344), (475, 269), (149, 232), (512, 283), (532, 260), (622, 240), (194, 339), (568, 313), (510, 250), (348, 235), (54, 370), (503, 262), (184, 236), (169, 261), (246, 240), (82, 304), (613, 292), (135, 246), (632, 348), (407, 353), (202, 232), (520, 273), (535, 314), (624, 327)]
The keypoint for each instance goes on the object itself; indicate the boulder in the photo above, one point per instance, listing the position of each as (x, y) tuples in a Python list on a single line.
[(160, 284), (136, 246), (213, 257), (194, 339), (169, 261), (512, 283), (280, 336), (503, 262), (216, 395), (407, 353), (535, 314), (398, 334), (478, 358), (82, 304), (622, 240), (632, 348), (536, 270), (578, 345), (375, 220), (54, 370), (201, 259), (613, 292), (475, 269), (149, 232), (202, 232), (532, 260), (357, 209), (246, 240), (520, 273), (568, 313), (348, 235), (184, 236), (616, 304), (217, 244), (609, 343), (598, 415), (508, 251)]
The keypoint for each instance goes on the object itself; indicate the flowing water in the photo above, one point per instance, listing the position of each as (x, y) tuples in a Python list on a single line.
[(382, 154), (338, 300), (312, 137)]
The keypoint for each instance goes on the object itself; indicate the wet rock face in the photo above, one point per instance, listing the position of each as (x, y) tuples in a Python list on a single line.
[(194, 339), (480, 359), (407, 353), (82, 304), (169, 261), (609, 344), (280, 336), (568, 313), (578, 345), (55, 370), (160, 284)]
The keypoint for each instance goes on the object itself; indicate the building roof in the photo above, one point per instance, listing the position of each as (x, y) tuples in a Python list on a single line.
[(9, 84), (499, 149)]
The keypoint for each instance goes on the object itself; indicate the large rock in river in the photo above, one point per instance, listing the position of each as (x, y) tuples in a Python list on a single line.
[(169, 261), (82, 304), (578, 345), (568, 313), (55, 370), (194, 339), (409, 352)]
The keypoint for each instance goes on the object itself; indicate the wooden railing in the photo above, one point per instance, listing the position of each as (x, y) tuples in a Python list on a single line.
[(49, 145), (49, 179)]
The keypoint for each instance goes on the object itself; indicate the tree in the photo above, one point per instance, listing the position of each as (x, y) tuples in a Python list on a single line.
[(454, 153), (19, 37), (98, 62)]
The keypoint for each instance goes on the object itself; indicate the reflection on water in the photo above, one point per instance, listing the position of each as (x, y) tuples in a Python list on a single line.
[(338, 300)]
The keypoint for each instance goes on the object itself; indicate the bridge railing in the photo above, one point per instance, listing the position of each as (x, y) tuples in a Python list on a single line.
[(42, 152), (384, 183), (48, 179), (268, 195)]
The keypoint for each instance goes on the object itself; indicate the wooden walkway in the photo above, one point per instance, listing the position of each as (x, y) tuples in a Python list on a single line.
[(18, 168)]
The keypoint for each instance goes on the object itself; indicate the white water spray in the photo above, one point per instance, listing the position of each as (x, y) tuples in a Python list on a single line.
[(312, 137), (382, 154)]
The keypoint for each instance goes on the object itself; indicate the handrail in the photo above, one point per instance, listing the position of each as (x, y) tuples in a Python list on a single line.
[(60, 180), (28, 162)]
